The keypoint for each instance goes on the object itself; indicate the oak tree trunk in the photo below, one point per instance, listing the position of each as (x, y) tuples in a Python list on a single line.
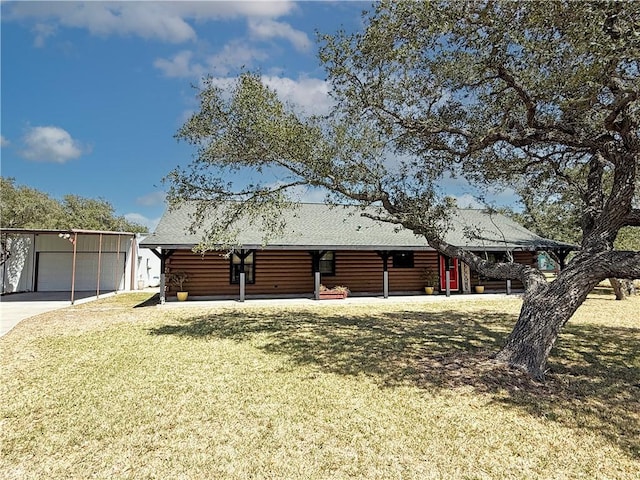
[(622, 288), (542, 316)]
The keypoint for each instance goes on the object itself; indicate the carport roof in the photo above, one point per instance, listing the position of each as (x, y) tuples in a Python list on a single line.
[(314, 226), (65, 230)]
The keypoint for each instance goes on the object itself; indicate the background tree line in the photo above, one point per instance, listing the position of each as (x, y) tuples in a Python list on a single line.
[(554, 210), (26, 207)]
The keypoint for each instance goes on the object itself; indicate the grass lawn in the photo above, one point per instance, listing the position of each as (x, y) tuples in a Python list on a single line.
[(119, 388)]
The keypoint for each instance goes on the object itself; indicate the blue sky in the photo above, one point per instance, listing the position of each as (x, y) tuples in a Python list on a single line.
[(93, 92)]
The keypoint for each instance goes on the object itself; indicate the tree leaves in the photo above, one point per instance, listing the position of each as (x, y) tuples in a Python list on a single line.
[(25, 207)]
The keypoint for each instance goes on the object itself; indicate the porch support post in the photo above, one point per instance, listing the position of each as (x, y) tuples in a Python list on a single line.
[(385, 284), (316, 285), (317, 277), (163, 255), (508, 287), (242, 281), (163, 278), (385, 272), (447, 279), (562, 257), (242, 275)]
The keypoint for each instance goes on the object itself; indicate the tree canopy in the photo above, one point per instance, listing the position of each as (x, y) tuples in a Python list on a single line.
[(541, 95), (26, 207)]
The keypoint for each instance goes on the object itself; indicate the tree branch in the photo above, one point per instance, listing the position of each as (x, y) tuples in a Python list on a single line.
[(530, 277), (594, 197), (633, 218), (616, 264), (529, 104)]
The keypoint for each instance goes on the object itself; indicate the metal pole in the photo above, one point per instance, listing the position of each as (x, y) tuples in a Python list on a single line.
[(99, 265), (447, 277), (73, 268), (134, 264), (242, 285), (508, 287), (116, 279)]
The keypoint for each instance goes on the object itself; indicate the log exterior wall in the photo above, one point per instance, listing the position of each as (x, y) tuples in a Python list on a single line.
[(289, 272)]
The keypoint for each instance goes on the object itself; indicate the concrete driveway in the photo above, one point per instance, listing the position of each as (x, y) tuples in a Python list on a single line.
[(16, 307)]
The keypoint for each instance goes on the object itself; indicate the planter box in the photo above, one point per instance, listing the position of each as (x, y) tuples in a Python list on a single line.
[(332, 295)]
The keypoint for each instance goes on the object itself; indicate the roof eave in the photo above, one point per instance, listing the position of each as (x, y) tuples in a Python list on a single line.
[(338, 247)]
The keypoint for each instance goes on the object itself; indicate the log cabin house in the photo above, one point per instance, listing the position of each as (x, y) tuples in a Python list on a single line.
[(337, 246)]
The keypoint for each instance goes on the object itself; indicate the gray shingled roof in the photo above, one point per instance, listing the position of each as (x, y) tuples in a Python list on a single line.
[(315, 226)]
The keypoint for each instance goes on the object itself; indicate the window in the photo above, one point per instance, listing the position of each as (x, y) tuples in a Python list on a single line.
[(328, 263), (403, 259), (495, 257), (249, 267)]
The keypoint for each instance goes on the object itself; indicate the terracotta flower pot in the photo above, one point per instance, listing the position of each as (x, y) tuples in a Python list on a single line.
[(428, 290), (479, 288)]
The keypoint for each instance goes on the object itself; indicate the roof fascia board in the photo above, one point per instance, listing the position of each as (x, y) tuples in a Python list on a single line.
[(417, 248)]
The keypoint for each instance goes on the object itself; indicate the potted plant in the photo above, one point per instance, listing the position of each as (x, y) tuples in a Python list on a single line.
[(178, 279), (337, 292), (430, 279), (479, 288)]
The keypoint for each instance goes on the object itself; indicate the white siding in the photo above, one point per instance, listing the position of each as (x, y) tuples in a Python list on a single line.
[(17, 272)]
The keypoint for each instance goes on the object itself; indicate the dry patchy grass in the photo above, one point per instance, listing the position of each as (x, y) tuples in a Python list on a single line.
[(108, 390)]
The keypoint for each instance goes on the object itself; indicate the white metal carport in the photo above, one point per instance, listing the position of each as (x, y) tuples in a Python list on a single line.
[(68, 260)]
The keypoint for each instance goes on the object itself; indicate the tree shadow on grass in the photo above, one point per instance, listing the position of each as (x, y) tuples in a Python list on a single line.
[(592, 383), (152, 301)]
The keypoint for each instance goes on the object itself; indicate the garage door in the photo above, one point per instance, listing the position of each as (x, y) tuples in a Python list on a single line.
[(54, 271)]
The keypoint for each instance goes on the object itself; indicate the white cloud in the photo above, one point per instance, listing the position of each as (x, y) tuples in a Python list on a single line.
[(468, 201), (309, 94), (165, 21), (233, 56), (469, 195), (261, 8), (50, 144), (266, 29), (152, 199), (150, 223), (309, 195), (42, 32), (179, 65), (4, 142)]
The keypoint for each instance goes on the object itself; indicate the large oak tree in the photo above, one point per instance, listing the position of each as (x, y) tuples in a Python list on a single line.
[(502, 93)]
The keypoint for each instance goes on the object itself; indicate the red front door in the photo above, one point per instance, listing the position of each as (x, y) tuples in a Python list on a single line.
[(452, 265)]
